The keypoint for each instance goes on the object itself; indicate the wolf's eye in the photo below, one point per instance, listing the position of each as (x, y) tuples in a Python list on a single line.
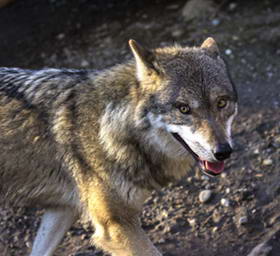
[(222, 103), (185, 109)]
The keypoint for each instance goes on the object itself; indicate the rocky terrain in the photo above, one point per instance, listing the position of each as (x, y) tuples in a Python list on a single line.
[(228, 215)]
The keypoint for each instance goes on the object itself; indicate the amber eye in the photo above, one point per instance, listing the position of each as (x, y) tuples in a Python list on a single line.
[(185, 109), (222, 103)]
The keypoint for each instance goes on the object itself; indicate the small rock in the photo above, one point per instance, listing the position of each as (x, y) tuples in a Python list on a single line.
[(192, 222), (190, 179), (216, 216), (161, 241), (225, 202), (166, 229), (196, 9), (232, 6), (243, 220), (84, 63), (177, 33), (205, 195), (267, 162), (227, 190), (223, 175), (215, 22), (228, 51), (60, 36), (204, 177), (164, 214), (84, 237), (215, 229), (28, 244), (256, 151)]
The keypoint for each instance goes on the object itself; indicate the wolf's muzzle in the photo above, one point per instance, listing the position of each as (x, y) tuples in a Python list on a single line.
[(209, 168)]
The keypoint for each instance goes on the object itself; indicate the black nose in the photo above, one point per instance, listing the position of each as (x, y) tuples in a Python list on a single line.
[(222, 151)]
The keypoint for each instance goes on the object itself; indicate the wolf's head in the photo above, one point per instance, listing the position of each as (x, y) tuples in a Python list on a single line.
[(188, 101)]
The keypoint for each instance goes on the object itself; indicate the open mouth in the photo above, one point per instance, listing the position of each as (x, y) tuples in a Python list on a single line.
[(209, 168)]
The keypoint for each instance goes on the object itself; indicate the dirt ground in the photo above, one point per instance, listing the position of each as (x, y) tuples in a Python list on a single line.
[(244, 209)]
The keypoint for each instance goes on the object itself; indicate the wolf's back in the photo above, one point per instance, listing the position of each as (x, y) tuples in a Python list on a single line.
[(30, 163), (38, 87)]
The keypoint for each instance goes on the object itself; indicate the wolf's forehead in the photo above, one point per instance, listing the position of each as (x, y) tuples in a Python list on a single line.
[(190, 63), (195, 91), (196, 78), (199, 76), (180, 95)]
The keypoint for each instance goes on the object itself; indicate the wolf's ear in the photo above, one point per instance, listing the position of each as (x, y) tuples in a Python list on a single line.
[(144, 60), (211, 46)]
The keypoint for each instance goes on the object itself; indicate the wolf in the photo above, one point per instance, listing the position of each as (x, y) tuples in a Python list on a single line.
[(94, 144)]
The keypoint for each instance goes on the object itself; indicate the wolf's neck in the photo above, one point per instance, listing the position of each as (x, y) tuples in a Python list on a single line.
[(114, 84), (129, 146)]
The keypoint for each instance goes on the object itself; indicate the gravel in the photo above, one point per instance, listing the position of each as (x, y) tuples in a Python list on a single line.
[(205, 195), (225, 202), (243, 220)]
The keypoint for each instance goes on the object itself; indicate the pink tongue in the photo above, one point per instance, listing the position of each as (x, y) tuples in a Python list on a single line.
[(214, 167)]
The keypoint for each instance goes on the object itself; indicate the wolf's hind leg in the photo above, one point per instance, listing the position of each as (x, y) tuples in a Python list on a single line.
[(55, 223)]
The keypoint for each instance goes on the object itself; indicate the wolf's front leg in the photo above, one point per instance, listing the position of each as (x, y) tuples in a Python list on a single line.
[(55, 223), (117, 227), (123, 238)]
